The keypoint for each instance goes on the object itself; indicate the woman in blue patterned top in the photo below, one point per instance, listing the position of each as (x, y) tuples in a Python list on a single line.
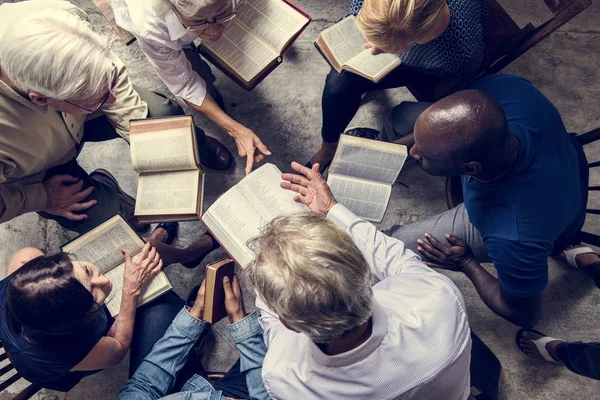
[(434, 39)]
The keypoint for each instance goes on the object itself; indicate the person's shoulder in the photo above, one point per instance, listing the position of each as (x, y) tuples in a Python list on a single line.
[(432, 291), (495, 82)]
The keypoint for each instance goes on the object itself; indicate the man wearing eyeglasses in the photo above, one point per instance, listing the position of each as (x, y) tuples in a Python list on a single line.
[(165, 30), (61, 87)]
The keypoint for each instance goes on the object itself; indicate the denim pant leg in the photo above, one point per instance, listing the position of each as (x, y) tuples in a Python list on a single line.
[(455, 222), (151, 323), (401, 120)]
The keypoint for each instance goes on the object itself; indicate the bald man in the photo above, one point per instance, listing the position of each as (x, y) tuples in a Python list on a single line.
[(524, 184)]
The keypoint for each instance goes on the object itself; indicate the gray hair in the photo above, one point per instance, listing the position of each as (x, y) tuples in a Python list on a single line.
[(191, 8), (55, 53), (310, 272)]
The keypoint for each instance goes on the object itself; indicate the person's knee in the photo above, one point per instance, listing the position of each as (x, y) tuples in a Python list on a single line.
[(21, 257), (337, 85), (160, 105), (402, 118)]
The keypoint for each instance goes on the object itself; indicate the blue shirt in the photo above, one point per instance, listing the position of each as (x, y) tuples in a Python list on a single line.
[(459, 50), (156, 376), (537, 207), (49, 365)]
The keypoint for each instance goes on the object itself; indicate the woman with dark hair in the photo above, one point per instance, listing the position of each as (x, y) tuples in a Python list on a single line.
[(53, 321)]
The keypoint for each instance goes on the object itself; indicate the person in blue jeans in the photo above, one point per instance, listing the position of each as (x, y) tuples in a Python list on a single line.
[(157, 375), (524, 182)]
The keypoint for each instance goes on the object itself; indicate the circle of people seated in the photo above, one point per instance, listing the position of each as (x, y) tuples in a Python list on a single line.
[(322, 328)]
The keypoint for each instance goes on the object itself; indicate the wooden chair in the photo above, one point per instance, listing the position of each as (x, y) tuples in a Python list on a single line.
[(454, 195), (107, 12), (9, 379), (505, 43)]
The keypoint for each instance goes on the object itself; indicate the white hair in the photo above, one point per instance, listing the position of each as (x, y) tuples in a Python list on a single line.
[(57, 54), (192, 8), (310, 272)]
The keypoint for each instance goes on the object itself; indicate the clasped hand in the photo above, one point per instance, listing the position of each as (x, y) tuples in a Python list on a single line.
[(455, 257)]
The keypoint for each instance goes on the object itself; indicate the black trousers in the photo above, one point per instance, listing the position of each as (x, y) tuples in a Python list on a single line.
[(581, 358), (342, 95)]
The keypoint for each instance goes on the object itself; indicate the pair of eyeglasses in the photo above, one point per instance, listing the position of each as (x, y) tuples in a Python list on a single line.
[(113, 82), (216, 21)]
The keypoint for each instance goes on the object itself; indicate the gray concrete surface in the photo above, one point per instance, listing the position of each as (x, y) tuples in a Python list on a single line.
[(285, 111)]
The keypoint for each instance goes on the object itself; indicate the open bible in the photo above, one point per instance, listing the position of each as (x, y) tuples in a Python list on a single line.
[(342, 46), (165, 154), (240, 214), (102, 247), (254, 42), (362, 174)]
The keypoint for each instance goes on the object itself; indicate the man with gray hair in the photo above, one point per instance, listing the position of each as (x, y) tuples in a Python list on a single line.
[(331, 334), (60, 86)]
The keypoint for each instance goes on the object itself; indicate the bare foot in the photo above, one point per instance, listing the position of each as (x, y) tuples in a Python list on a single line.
[(158, 235), (529, 348), (325, 155), (585, 260)]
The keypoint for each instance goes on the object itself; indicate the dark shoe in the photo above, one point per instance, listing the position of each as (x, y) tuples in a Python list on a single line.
[(214, 154), (171, 228), (135, 224), (366, 133)]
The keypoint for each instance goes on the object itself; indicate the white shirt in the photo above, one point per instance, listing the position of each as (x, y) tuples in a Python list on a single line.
[(420, 347), (161, 36)]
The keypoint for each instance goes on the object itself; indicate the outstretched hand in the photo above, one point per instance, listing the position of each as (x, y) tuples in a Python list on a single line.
[(439, 255), (312, 189)]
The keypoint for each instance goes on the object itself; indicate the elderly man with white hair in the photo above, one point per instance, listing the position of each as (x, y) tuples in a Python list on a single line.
[(60, 87), (329, 333)]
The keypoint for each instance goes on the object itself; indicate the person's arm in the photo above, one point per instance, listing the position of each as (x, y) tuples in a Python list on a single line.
[(157, 374), (127, 105), (386, 255), (61, 195), (407, 140), (524, 311), (176, 71), (111, 349), (247, 336)]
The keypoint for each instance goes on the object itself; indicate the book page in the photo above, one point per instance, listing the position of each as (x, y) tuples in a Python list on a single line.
[(173, 192), (102, 245), (273, 20), (368, 200), (168, 150), (369, 163), (243, 52), (157, 286), (344, 40), (245, 209), (375, 67)]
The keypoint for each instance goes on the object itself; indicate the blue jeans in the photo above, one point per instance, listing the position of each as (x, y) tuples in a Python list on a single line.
[(157, 374)]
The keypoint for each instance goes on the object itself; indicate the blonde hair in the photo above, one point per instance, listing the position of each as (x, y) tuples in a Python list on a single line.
[(310, 272), (392, 25)]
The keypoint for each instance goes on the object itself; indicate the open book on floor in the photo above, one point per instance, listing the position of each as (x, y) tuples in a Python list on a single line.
[(241, 212), (165, 154), (342, 46), (102, 247), (214, 297), (362, 173), (254, 42)]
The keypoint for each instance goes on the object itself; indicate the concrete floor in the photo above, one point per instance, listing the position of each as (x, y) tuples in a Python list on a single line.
[(284, 110)]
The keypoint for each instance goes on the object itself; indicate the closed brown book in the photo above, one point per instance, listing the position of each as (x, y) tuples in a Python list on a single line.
[(214, 298)]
